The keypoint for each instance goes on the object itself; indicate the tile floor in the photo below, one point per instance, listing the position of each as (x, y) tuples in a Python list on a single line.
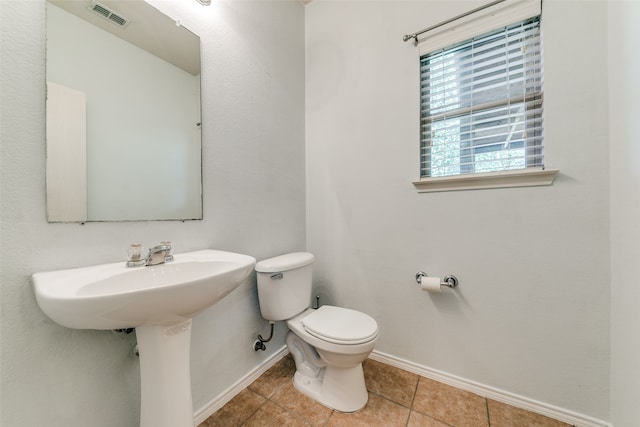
[(396, 398)]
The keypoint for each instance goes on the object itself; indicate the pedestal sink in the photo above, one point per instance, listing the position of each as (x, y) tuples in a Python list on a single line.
[(158, 301)]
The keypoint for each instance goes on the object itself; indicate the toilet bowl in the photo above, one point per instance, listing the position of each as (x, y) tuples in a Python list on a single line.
[(328, 369), (328, 344)]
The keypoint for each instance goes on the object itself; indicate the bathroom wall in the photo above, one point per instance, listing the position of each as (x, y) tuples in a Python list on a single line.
[(531, 314), (624, 110), (254, 201)]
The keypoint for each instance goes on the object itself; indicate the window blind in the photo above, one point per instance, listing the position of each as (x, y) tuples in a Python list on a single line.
[(481, 103)]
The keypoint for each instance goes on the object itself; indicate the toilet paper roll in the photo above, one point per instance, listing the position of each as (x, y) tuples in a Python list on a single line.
[(430, 284)]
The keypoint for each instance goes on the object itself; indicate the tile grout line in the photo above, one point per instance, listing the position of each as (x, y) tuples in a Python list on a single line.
[(413, 399), (486, 404), (266, 399), (294, 413), (254, 412)]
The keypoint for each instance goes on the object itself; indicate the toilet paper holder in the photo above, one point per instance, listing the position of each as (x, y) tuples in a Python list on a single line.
[(450, 280)]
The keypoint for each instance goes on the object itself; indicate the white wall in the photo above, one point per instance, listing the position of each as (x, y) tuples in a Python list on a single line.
[(624, 111), (531, 314), (253, 151)]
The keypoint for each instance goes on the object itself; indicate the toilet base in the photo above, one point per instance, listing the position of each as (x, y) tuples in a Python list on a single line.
[(342, 389)]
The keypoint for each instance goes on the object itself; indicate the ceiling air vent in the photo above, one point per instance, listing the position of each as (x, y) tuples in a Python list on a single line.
[(108, 14)]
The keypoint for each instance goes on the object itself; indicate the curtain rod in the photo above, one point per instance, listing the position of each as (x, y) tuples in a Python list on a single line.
[(415, 35)]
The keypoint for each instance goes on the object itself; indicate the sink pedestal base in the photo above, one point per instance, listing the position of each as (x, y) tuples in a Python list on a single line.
[(165, 377)]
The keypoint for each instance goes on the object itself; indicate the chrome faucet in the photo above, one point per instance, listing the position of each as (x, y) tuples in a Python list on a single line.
[(157, 255)]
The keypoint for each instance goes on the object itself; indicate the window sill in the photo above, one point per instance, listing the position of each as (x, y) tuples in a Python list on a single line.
[(480, 181)]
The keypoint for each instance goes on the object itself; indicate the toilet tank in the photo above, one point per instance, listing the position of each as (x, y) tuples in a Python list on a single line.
[(284, 285)]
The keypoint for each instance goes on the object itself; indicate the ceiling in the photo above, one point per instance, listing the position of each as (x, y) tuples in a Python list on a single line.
[(147, 28)]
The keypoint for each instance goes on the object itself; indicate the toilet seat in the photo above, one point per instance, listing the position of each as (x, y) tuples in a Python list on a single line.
[(340, 325)]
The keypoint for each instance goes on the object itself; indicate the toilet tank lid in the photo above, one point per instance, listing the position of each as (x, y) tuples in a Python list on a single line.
[(284, 262)]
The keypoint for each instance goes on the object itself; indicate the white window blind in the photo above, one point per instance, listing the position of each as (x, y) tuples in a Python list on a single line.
[(481, 102)]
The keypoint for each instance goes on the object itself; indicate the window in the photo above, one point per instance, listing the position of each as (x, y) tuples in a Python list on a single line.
[(481, 103), (481, 98)]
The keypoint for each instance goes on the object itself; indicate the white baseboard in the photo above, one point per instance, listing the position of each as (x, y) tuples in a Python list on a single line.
[(223, 398), (551, 411)]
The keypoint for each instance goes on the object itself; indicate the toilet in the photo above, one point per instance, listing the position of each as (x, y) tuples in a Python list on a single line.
[(328, 344)]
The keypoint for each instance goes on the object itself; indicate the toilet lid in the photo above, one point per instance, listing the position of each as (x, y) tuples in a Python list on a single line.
[(340, 325)]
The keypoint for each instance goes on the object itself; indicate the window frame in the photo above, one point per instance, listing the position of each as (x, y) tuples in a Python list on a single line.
[(507, 14)]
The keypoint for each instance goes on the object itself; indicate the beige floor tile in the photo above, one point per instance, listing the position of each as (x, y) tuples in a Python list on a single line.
[(272, 415), (378, 412), (278, 375), (293, 400), (416, 419), (273, 401), (503, 415), (395, 384), (237, 411), (450, 405)]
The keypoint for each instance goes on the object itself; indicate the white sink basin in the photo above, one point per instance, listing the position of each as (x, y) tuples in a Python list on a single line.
[(112, 296)]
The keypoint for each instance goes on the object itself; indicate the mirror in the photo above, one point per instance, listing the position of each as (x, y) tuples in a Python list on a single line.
[(123, 113)]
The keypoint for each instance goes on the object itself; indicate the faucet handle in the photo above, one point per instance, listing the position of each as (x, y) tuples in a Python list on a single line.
[(168, 256), (134, 255)]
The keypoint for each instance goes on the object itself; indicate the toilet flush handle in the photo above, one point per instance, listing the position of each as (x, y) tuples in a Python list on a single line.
[(276, 276)]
